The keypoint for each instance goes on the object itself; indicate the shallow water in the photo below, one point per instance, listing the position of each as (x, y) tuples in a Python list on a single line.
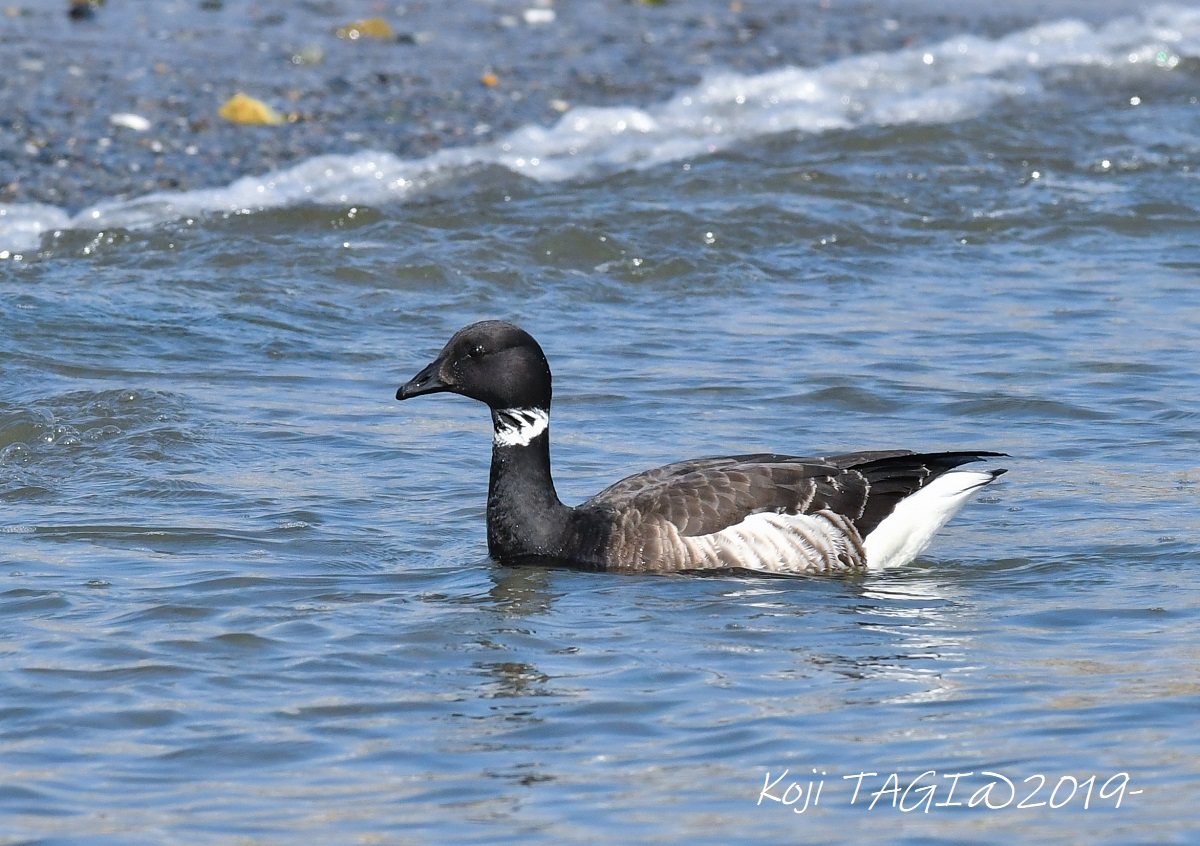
[(245, 595)]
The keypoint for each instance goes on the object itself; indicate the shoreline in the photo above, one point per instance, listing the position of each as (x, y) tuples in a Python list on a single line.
[(446, 77)]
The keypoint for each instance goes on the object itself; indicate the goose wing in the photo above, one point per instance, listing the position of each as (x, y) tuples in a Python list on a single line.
[(704, 496), (707, 495)]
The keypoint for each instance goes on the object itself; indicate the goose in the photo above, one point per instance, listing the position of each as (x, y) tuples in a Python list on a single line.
[(841, 514)]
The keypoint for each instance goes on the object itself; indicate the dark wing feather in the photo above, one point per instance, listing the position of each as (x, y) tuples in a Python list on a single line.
[(890, 477), (653, 479), (709, 494)]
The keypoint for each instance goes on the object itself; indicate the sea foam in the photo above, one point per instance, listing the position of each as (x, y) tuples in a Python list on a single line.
[(958, 79)]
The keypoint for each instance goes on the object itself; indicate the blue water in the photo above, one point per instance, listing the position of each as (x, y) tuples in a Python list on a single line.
[(245, 596)]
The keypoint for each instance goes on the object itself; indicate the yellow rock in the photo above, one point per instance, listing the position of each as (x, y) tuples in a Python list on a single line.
[(242, 109), (370, 28)]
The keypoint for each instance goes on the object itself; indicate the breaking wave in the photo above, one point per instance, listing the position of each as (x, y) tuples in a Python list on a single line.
[(955, 80)]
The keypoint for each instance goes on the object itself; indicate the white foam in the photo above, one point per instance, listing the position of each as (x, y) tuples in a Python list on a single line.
[(22, 225), (958, 79)]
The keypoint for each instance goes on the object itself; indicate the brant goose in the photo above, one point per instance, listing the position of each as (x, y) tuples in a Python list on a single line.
[(772, 513)]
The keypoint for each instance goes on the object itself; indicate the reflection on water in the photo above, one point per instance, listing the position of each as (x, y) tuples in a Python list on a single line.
[(520, 592)]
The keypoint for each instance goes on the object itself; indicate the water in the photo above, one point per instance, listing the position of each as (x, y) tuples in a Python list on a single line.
[(245, 595)]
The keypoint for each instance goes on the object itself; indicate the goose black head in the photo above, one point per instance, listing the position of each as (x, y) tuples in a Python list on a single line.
[(492, 361)]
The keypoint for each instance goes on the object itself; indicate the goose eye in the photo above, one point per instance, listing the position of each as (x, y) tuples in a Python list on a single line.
[(476, 351)]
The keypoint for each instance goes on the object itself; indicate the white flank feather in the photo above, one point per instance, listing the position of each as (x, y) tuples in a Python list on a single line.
[(779, 543), (907, 531)]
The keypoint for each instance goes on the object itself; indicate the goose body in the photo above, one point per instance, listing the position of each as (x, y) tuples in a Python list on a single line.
[(848, 513)]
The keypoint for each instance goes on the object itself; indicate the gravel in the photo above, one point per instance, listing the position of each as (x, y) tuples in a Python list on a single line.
[(124, 101)]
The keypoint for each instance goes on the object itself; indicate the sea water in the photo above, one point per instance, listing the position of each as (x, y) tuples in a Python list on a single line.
[(245, 596)]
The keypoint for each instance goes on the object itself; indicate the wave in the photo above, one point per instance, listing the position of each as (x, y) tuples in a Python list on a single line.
[(955, 80)]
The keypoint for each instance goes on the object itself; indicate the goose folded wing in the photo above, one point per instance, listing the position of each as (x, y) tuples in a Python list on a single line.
[(705, 496)]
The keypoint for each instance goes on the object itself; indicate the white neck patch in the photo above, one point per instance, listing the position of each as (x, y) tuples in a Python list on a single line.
[(519, 426)]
